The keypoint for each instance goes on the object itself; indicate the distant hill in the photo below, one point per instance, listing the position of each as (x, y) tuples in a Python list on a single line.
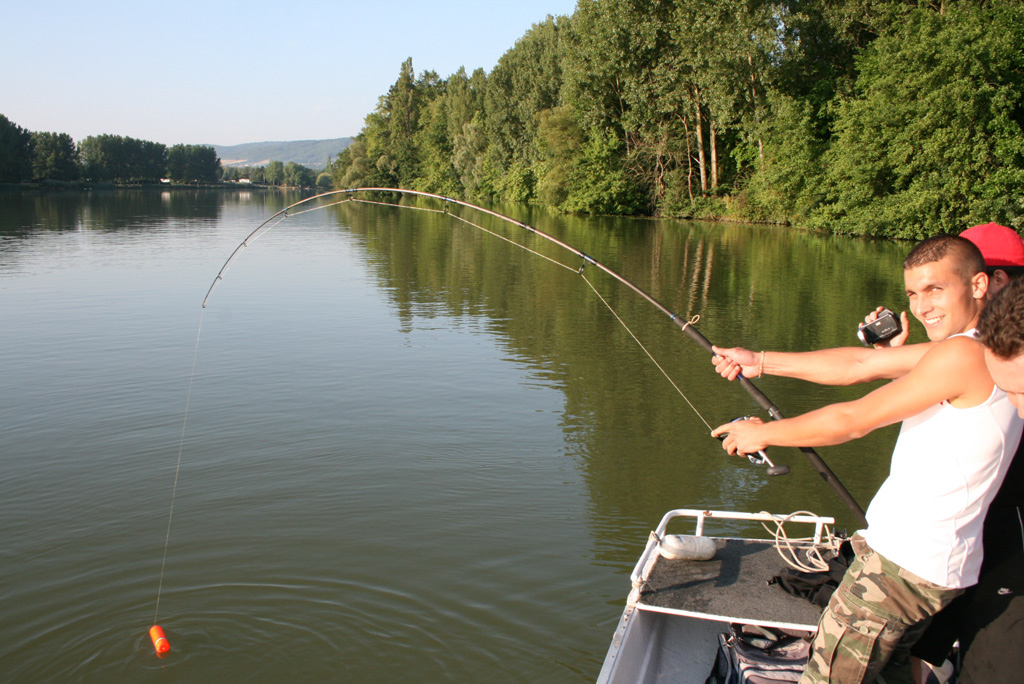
[(311, 153)]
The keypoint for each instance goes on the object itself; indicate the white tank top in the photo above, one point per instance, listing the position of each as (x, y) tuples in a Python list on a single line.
[(947, 466)]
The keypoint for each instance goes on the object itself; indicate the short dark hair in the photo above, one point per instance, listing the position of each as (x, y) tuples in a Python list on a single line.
[(1001, 325), (966, 255)]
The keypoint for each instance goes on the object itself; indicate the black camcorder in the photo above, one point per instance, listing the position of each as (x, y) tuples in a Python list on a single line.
[(885, 327)]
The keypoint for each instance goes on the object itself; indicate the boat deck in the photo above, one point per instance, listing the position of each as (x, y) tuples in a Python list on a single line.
[(732, 587), (676, 609)]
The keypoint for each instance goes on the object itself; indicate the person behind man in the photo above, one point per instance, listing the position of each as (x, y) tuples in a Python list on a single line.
[(1003, 250), (922, 543)]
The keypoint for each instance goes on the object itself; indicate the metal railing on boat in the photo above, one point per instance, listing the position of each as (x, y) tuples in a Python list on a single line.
[(701, 515)]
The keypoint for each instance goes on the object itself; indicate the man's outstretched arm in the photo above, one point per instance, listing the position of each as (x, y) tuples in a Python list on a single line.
[(836, 366), (953, 371)]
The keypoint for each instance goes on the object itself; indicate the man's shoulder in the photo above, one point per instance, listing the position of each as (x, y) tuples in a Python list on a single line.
[(958, 365), (949, 353), (957, 345)]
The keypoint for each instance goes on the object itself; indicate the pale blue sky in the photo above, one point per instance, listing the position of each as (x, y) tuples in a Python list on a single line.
[(213, 72)]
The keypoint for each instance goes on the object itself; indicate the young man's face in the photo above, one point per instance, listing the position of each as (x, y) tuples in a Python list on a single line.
[(1008, 374), (941, 300)]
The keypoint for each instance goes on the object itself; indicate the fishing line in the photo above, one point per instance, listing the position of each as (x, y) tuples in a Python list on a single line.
[(177, 468), (693, 320)]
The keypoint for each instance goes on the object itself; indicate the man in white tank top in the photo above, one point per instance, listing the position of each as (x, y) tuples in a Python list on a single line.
[(922, 543), (980, 621)]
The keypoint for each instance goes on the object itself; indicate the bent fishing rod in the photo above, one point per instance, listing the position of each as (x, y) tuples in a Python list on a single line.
[(686, 325)]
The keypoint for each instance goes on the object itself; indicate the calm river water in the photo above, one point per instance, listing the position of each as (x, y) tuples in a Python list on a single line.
[(413, 452)]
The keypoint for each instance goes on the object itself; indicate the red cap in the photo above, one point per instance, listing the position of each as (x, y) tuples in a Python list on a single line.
[(1001, 246)]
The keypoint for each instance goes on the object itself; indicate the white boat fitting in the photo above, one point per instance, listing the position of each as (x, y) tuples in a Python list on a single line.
[(679, 605)]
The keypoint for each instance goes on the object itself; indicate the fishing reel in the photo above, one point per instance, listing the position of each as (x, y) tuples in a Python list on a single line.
[(760, 457)]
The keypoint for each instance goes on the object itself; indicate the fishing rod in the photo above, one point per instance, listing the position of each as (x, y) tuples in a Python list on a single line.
[(686, 325)]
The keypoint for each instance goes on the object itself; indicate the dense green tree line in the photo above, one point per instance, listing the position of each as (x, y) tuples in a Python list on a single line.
[(882, 117), (36, 156), (27, 156)]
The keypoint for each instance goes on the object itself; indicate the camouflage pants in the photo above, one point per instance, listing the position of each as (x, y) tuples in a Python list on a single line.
[(878, 608)]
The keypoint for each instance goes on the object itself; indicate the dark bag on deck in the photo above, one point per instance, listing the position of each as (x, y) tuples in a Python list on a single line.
[(759, 655), (816, 587)]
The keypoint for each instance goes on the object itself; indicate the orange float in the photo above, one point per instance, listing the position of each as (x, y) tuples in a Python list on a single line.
[(160, 643)]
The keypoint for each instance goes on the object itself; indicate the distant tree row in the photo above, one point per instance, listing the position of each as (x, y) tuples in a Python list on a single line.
[(882, 117), (35, 156), (278, 173), (29, 156)]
